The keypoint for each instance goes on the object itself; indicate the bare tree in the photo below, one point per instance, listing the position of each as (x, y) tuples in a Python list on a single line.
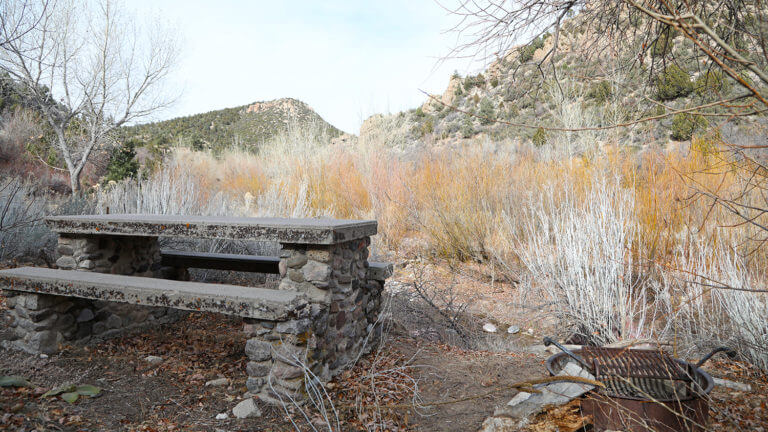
[(15, 19), (88, 68), (728, 34)]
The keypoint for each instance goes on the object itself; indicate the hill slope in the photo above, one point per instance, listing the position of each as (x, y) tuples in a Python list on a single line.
[(600, 90), (247, 125)]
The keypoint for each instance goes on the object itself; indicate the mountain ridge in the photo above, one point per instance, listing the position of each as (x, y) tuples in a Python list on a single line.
[(246, 126)]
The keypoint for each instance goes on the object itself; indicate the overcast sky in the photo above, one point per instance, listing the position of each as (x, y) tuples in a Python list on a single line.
[(346, 59)]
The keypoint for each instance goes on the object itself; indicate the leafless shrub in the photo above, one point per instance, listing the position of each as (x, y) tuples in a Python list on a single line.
[(22, 208), (579, 254), (382, 376), (715, 299), (15, 131), (434, 312)]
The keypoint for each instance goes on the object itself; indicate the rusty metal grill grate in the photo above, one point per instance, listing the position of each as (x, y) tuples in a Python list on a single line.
[(639, 374)]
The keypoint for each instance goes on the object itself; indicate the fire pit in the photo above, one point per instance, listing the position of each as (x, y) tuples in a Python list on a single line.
[(645, 390)]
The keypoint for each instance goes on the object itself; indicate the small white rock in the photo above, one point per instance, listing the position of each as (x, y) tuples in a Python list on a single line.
[(246, 408), (733, 385), (513, 329), (530, 331), (490, 328), (218, 382), (153, 359), (43, 356), (222, 416)]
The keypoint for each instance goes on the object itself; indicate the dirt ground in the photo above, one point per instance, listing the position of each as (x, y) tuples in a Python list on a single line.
[(172, 396), (425, 377)]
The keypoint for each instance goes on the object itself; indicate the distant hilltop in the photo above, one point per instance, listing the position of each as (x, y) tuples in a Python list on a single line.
[(248, 126)]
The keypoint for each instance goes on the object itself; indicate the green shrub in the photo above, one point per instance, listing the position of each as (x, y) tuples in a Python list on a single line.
[(540, 137), (494, 82), (663, 45), (712, 83), (487, 113), (467, 128), (673, 83), (600, 91), (428, 126), (527, 52), (122, 162), (684, 125), (474, 81)]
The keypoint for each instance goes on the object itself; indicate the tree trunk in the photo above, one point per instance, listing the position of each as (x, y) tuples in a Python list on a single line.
[(74, 181)]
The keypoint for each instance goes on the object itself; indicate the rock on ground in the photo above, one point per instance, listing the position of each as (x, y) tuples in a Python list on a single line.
[(153, 359), (490, 328), (733, 385), (217, 382), (245, 409), (525, 404)]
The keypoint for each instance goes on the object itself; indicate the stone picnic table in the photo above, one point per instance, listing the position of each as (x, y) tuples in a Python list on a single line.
[(112, 276)]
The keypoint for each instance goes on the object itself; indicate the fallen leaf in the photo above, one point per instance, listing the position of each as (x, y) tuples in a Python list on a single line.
[(87, 390), (14, 381), (59, 390), (70, 397)]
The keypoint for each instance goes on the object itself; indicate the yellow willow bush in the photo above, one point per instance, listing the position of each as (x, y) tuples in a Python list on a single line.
[(453, 201), (633, 230)]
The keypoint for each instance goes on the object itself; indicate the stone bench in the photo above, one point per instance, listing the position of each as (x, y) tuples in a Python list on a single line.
[(322, 317), (247, 263)]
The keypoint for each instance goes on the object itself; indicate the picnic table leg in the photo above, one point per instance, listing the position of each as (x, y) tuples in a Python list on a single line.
[(40, 322), (123, 255), (340, 325)]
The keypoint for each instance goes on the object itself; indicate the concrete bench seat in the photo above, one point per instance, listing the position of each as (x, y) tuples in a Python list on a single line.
[(258, 303), (248, 263)]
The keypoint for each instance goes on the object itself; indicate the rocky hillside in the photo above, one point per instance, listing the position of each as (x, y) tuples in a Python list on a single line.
[(246, 126), (602, 89)]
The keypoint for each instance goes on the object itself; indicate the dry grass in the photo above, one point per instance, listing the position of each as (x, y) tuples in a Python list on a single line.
[(488, 201)]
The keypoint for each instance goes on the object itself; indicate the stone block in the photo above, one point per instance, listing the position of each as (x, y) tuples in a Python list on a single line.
[(316, 271), (296, 275), (258, 350), (46, 341), (45, 324), (258, 369), (66, 262), (65, 249), (296, 260), (293, 326), (99, 327), (320, 255), (255, 384), (114, 322), (295, 384), (36, 302), (86, 265), (286, 371)]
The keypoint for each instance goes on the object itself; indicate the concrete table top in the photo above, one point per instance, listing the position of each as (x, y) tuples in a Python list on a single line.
[(282, 230)]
